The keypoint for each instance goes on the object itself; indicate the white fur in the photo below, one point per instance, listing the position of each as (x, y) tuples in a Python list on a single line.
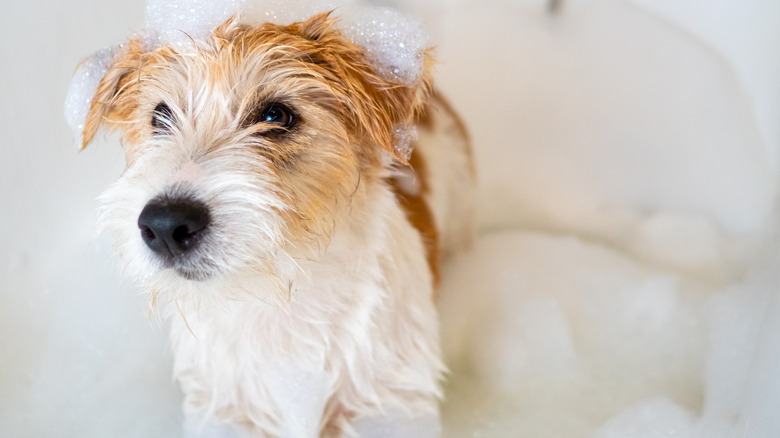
[(360, 326)]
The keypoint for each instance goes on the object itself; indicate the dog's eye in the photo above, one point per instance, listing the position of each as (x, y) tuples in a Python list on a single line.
[(162, 118), (276, 114)]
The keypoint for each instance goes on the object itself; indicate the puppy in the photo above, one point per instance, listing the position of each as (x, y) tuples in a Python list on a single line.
[(271, 210)]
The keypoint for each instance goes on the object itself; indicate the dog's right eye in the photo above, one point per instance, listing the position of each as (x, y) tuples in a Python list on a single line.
[(162, 118)]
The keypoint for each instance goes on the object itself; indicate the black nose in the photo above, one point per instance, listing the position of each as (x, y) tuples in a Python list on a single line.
[(171, 227)]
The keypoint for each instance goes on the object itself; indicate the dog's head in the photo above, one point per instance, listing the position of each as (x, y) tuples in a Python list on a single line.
[(245, 150)]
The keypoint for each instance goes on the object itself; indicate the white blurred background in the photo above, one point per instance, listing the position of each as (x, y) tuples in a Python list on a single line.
[(624, 283)]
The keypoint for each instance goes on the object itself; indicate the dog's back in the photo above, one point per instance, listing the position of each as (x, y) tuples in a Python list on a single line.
[(438, 194)]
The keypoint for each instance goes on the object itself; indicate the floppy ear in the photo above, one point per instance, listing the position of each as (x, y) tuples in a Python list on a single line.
[(400, 105), (381, 107), (106, 105), (389, 107)]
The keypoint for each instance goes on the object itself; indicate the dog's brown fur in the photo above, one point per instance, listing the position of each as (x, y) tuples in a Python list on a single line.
[(370, 106)]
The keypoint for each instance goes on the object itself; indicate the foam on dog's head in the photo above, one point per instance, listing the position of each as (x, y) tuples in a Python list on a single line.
[(394, 41), (179, 22), (395, 44), (82, 89)]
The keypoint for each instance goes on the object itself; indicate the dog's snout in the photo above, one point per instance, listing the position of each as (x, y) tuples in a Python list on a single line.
[(171, 227)]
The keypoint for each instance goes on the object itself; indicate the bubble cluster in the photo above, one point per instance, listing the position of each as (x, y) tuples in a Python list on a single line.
[(83, 86), (404, 137), (395, 43), (179, 22), (285, 12)]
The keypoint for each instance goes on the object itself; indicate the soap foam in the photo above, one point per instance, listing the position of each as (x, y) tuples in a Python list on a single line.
[(83, 86), (395, 43), (404, 137), (178, 22), (536, 328), (255, 12)]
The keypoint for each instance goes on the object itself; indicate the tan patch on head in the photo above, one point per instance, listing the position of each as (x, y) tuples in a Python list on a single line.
[(372, 106), (348, 113)]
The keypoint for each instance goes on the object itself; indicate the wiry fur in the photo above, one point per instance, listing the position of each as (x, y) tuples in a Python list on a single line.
[(307, 307)]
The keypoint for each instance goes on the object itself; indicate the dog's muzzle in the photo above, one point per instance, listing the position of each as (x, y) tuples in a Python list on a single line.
[(173, 227)]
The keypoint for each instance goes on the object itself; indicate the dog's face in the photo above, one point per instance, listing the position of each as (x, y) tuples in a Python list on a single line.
[(243, 152)]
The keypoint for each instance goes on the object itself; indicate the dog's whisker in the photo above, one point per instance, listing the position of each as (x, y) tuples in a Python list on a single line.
[(183, 316)]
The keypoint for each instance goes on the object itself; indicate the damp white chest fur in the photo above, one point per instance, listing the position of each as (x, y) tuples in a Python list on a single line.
[(359, 332)]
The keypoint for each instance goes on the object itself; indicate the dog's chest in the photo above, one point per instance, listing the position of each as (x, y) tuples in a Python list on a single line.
[(278, 370), (358, 332), (300, 394), (251, 365)]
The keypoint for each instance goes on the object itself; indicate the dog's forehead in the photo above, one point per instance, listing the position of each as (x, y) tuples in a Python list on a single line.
[(248, 60)]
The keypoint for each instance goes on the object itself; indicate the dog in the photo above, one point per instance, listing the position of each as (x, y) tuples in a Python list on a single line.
[(271, 210)]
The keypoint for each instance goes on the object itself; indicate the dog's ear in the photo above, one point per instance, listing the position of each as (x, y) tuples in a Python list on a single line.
[(396, 105), (106, 106), (382, 106)]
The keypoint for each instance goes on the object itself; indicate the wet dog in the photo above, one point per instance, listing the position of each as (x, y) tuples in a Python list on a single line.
[(272, 209)]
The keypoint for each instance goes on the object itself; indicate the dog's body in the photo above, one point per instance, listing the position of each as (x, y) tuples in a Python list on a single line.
[(283, 229)]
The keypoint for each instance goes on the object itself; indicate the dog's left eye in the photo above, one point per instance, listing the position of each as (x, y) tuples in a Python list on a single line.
[(275, 114)]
